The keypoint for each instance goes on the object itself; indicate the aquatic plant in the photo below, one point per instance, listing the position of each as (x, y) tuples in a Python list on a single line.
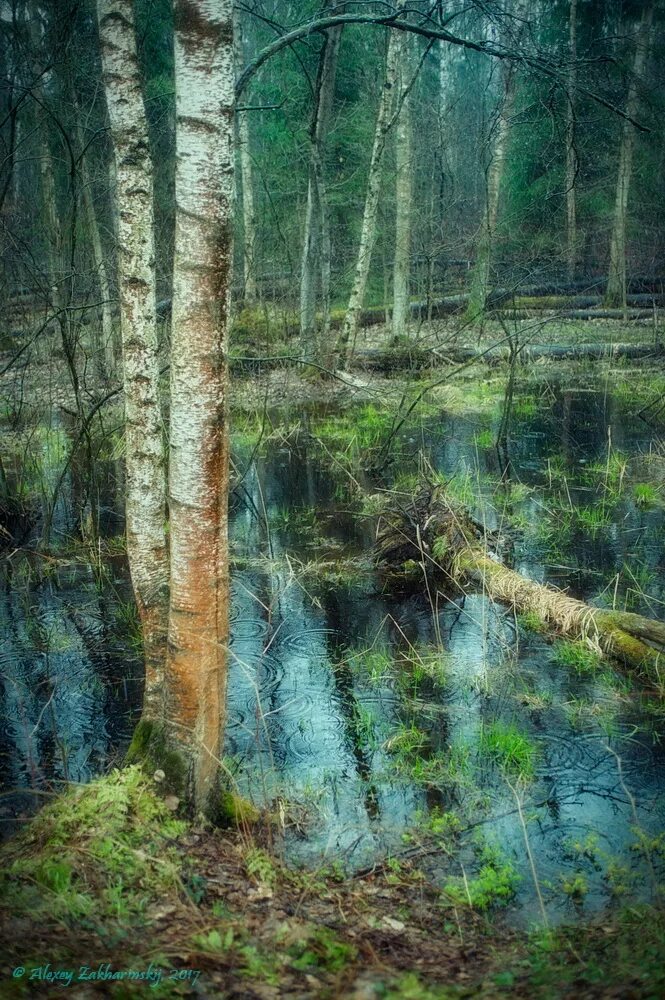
[(512, 749), (575, 886), (645, 495), (578, 655), (494, 885)]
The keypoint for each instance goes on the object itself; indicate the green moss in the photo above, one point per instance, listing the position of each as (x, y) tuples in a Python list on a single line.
[(234, 810), (149, 748), (103, 852)]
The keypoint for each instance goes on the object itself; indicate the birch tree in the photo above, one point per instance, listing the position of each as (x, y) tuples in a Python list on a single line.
[(571, 151), (480, 282), (145, 504), (403, 196), (198, 465), (247, 180), (316, 255), (346, 342), (616, 282)]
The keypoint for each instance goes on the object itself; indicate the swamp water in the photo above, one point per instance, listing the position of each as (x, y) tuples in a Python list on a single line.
[(371, 716)]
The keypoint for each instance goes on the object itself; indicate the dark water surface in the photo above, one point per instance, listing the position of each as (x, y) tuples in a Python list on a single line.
[(318, 726)]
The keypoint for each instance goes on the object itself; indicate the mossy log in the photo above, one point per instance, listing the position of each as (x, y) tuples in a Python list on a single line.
[(437, 537)]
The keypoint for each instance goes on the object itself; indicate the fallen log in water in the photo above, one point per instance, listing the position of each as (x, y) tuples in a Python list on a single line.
[(435, 537), (420, 357)]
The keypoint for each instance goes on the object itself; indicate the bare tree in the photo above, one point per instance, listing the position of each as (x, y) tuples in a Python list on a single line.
[(144, 445), (198, 465), (403, 194), (316, 255), (247, 193), (571, 151), (384, 121), (616, 282)]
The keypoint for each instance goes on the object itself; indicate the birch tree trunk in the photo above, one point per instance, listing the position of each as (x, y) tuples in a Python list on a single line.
[(244, 153), (616, 282), (316, 256), (571, 152), (144, 445), (403, 197), (198, 466), (346, 341), (480, 283)]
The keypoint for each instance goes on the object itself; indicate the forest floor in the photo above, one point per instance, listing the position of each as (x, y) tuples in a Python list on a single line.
[(105, 883)]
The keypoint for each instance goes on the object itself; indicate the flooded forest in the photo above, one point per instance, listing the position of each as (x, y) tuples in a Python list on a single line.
[(332, 499)]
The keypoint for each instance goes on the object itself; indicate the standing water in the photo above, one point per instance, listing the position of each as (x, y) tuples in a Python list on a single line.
[(434, 726)]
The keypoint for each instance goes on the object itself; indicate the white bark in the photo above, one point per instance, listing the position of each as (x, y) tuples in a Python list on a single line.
[(198, 467), (316, 254), (244, 153), (145, 486), (349, 330), (616, 284), (403, 198)]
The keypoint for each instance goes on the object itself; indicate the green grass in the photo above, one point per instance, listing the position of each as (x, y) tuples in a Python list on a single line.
[(510, 748), (577, 655), (645, 495)]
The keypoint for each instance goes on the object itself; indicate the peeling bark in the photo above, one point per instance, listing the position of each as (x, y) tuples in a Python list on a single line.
[(198, 466), (144, 446)]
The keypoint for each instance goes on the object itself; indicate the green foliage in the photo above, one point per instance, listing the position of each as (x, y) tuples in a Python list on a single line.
[(320, 948), (261, 867), (645, 495), (494, 885), (578, 655), (103, 851), (531, 621), (234, 810), (575, 886), (513, 750)]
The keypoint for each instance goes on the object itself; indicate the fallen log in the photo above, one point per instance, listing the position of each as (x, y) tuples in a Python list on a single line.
[(420, 357), (434, 536)]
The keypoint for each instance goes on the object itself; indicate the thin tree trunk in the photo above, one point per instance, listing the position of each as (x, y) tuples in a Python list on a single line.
[(346, 342), (244, 152), (198, 466), (316, 256), (616, 282), (571, 151), (144, 445), (403, 198), (107, 357), (480, 282)]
